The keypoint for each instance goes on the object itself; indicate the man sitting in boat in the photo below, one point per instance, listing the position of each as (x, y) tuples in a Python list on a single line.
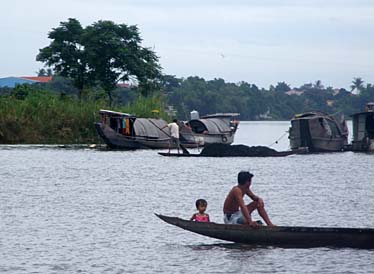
[(236, 211)]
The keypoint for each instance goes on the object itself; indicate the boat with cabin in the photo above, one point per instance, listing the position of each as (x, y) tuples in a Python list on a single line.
[(283, 236), (218, 128), (318, 131), (125, 131), (363, 129)]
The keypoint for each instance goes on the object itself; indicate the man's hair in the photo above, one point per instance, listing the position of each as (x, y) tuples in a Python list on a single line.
[(244, 176), (201, 202), (175, 120)]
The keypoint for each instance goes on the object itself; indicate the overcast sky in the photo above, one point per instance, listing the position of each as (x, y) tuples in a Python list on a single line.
[(258, 41)]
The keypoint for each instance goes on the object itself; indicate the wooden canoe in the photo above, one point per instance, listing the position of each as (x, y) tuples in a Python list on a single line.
[(277, 154), (281, 235)]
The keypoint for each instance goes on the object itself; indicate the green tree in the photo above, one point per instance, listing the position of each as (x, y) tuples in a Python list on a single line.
[(318, 85), (357, 83), (44, 72), (114, 54), (101, 54), (66, 53), (282, 87)]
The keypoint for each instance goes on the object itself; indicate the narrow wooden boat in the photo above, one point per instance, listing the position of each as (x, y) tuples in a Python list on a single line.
[(277, 154), (222, 150), (281, 235)]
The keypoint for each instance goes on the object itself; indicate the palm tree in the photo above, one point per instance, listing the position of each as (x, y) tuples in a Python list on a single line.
[(318, 85), (357, 84)]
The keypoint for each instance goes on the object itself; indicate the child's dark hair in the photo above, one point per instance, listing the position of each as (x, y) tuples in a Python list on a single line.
[(201, 202), (243, 177)]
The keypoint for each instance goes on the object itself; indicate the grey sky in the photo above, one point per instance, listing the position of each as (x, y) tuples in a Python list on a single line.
[(257, 41)]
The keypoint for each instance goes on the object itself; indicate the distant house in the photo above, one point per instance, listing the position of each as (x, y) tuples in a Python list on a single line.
[(330, 103), (11, 82), (39, 79), (294, 92), (123, 85), (356, 91)]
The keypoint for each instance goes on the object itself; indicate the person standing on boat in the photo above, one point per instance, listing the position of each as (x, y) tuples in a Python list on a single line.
[(174, 133), (236, 211)]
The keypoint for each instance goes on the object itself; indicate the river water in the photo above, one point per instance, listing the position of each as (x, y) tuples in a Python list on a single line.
[(91, 211)]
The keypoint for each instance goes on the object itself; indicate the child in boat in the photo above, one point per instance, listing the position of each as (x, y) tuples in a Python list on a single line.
[(201, 216)]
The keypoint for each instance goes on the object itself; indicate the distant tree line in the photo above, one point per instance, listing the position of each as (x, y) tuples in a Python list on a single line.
[(105, 62), (279, 102)]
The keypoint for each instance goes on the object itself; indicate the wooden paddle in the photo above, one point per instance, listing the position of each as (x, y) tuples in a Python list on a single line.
[(185, 151)]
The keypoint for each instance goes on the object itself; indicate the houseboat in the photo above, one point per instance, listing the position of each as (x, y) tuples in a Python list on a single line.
[(363, 129), (210, 129), (318, 131), (125, 131)]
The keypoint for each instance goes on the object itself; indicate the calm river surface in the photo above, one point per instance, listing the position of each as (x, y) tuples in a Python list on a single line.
[(91, 211)]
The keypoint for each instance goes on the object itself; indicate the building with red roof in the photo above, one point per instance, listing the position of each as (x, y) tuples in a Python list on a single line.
[(40, 79)]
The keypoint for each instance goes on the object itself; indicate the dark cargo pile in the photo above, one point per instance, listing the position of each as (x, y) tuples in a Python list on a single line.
[(223, 150)]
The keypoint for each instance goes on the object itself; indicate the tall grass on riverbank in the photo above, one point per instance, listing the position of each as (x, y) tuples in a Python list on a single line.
[(42, 117)]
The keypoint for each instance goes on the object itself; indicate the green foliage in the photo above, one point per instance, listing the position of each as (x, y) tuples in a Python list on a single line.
[(214, 96), (282, 87), (36, 116), (152, 106), (101, 54), (66, 52), (42, 117), (357, 83)]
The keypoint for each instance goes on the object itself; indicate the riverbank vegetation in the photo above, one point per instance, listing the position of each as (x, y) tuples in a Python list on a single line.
[(34, 115), (104, 66), (56, 113)]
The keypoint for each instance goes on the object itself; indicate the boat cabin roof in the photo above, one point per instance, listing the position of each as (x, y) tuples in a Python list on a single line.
[(115, 113), (212, 125), (311, 115), (151, 128), (220, 115), (369, 110), (365, 113)]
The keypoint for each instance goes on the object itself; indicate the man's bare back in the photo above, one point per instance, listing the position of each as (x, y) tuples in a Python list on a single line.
[(235, 206), (231, 204)]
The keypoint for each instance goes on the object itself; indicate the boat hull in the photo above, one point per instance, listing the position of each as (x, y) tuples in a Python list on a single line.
[(319, 144), (277, 154), (318, 132), (206, 139), (281, 235), (116, 140), (363, 131)]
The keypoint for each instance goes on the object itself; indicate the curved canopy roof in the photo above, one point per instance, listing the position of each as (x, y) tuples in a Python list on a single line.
[(151, 128), (212, 125)]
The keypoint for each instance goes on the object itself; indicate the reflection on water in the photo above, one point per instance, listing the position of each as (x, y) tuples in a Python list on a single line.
[(91, 211)]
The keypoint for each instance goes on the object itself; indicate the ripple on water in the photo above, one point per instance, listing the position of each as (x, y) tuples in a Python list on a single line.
[(86, 211)]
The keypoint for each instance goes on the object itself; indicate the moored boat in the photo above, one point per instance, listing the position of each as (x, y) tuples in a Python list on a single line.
[(210, 129), (125, 131), (281, 235), (318, 131), (363, 129)]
